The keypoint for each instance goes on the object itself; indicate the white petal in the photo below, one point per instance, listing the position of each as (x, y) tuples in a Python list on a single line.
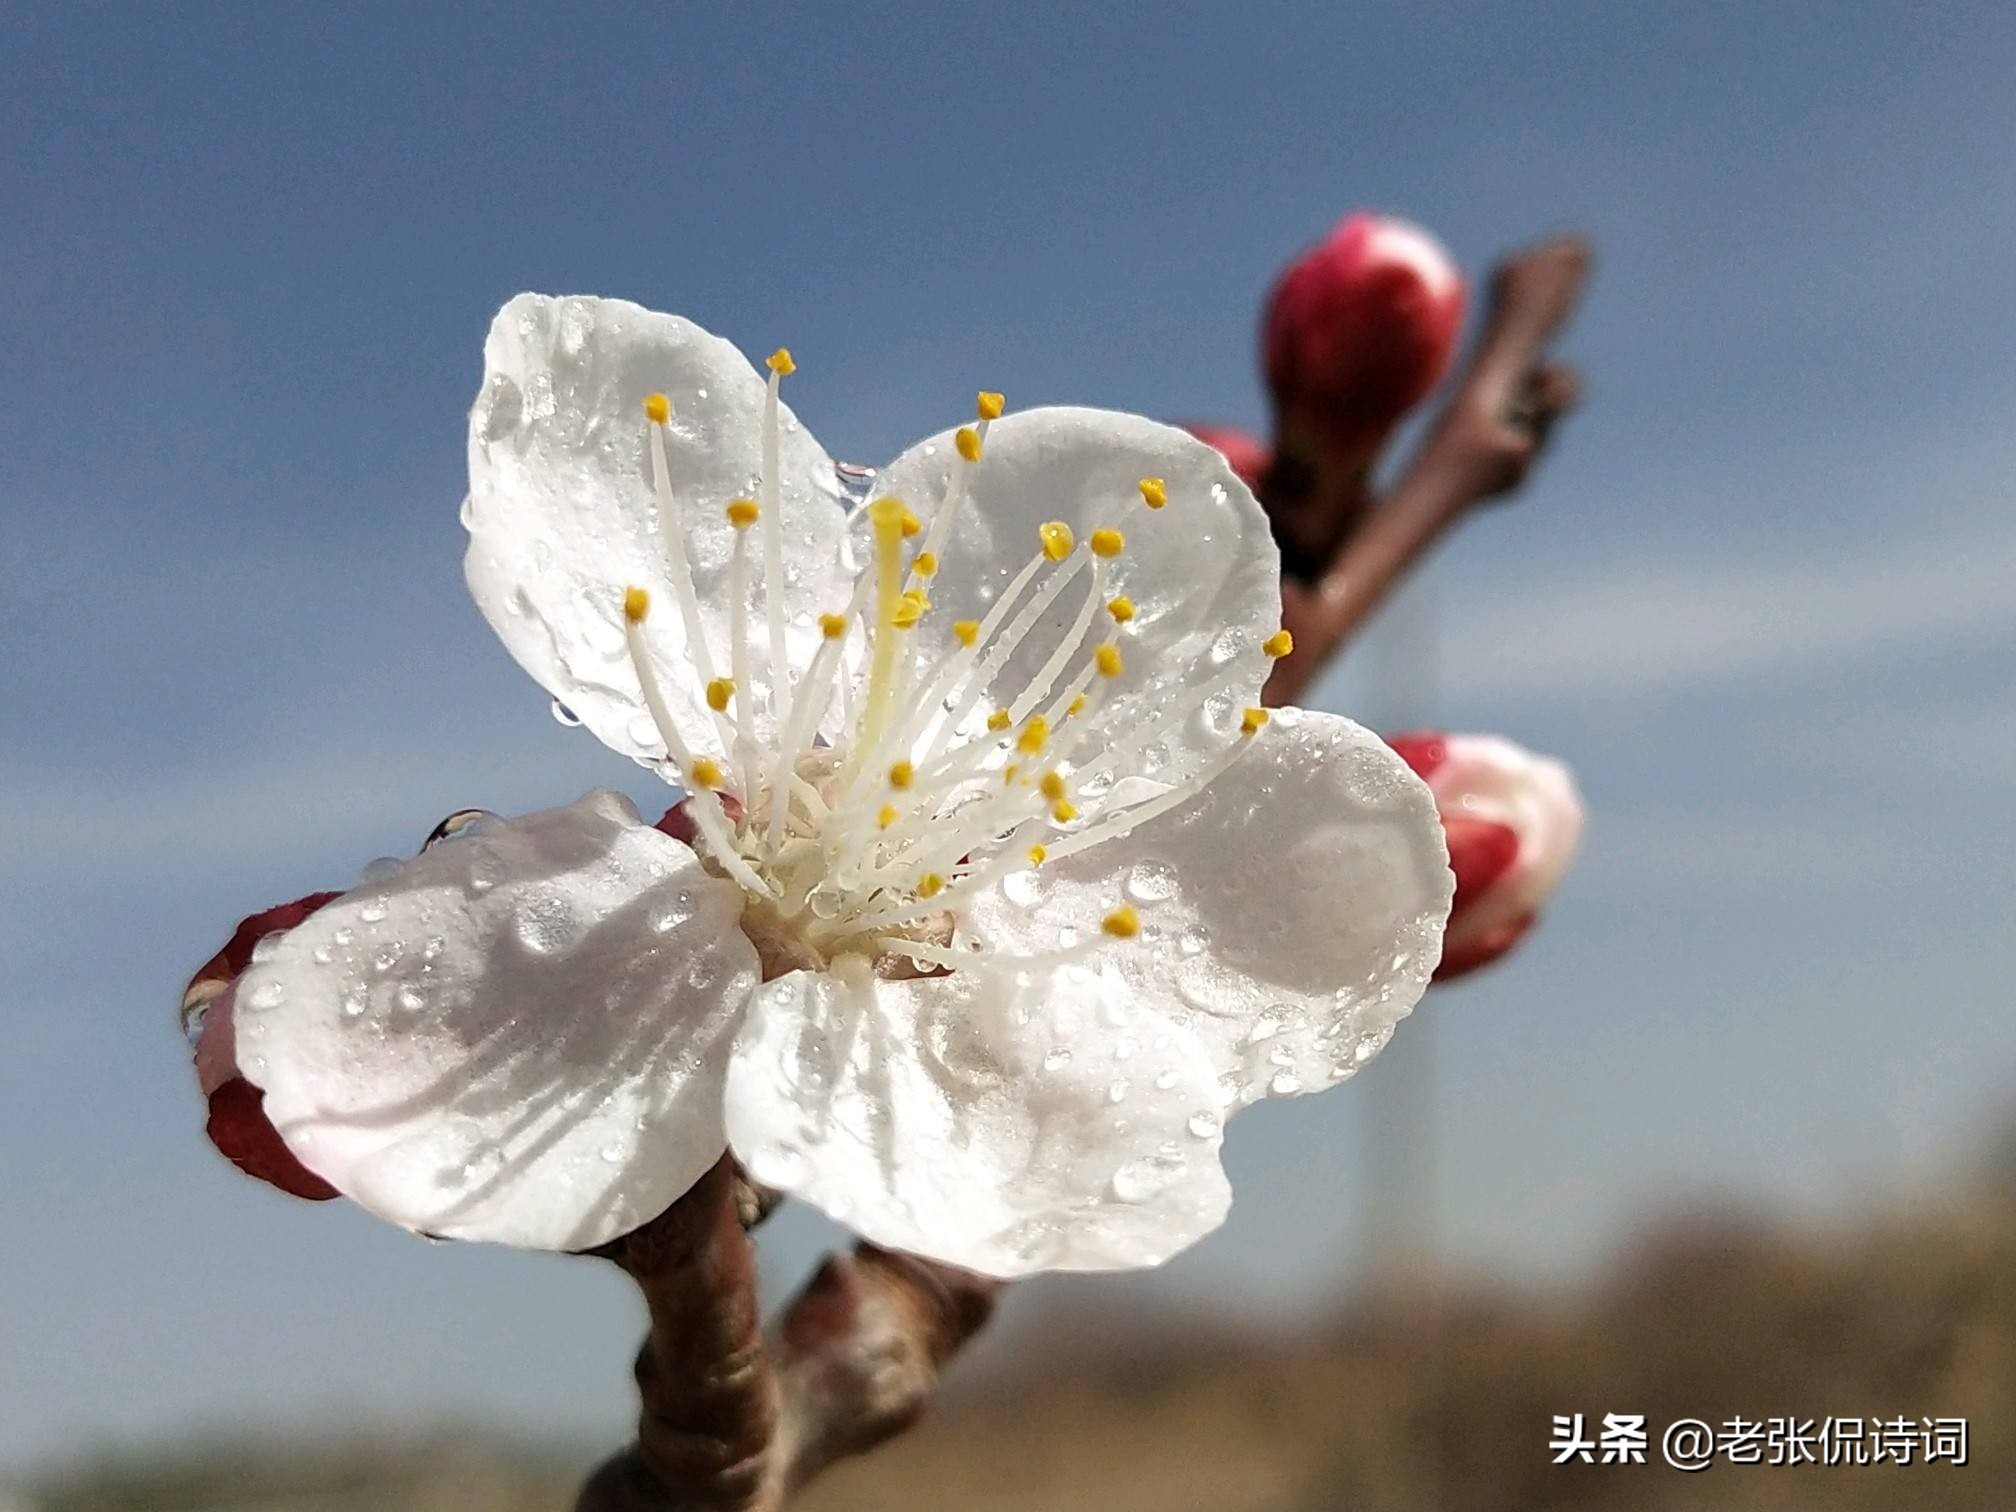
[(1290, 916), (1203, 571), (520, 1036), (562, 516), (1000, 1125)]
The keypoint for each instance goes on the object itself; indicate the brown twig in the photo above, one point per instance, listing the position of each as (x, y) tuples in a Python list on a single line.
[(734, 1423), (1480, 447)]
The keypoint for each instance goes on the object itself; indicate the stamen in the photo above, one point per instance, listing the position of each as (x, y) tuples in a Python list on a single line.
[(1121, 608), (672, 538), (1123, 923), (1279, 644), (967, 440), (1057, 539), (990, 405), (926, 564), (780, 365), (719, 691), (966, 631), (1107, 658), (1154, 492), (886, 516), (741, 514), (1107, 543), (708, 815), (1251, 721)]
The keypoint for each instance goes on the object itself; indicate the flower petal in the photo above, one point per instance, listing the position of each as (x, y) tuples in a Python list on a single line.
[(562, 516), (519, 1036), (1007, 1125), (1202, 572), (1290, 915)]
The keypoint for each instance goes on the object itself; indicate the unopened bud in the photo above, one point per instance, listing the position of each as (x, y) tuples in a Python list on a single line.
[(1512, 820)]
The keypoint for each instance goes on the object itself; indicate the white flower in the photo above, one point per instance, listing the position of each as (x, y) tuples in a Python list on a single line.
[(970, 956)]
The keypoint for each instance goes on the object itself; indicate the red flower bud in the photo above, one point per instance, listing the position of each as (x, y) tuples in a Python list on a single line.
[(1247, 453), (1512, 820), (238, 1125), (1357, 331)]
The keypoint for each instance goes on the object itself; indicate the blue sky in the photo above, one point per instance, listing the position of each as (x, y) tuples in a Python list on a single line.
[(1763, 598)]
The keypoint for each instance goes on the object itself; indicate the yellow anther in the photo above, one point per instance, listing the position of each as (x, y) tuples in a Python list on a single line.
[(1251, 720), (1077, 705), (900, 775), (719, 691), (1121, 608), (990, 405), (780, 363), (911, 525), (742, 513), (1279, 644), (657, 408), (967, 631), (926, 564), (999, 721), (1038, 855), (1051, 787), (1107, 543), (886, 515), (1108, 659), (887, 817), (1008, 774), (832, 626), (1035, 735), (636, 604), (1063, 811), (909, 609), (706, 773), (930, 885), (1123, 923), (1057, 539), (1154, 492), (967, 440)]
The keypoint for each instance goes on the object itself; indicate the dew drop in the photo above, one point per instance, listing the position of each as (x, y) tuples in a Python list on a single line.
[(1117, 1092), (268, 994), (825, 901), (1191, 942), (672, 915), (380, 869), (1151, 881), (354, 1001), (387, 957), (431, 951), (412, 999), (1264, 1028), (544, 924), (344, 935), (1022, 888), (373, 912), (467, 513), (1139, 1180), (1285, 1084), (1225, 647), (1056, 1060), (1165, 1079), (321, 955), (1126, 1048), (612, 1153), (1204, 1125), (565, 715)]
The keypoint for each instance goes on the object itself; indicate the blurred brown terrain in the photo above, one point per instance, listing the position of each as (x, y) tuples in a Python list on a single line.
[(1414, 1398)]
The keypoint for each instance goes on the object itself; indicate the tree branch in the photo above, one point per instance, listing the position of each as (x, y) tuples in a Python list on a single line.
[(1480, 447)]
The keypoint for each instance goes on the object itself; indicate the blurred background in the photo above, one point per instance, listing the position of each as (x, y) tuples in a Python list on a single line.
[(1723, 1137)]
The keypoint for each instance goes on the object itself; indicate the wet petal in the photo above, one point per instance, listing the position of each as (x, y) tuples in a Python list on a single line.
[(1003, 1124), (519, 1036), (1290, 915)]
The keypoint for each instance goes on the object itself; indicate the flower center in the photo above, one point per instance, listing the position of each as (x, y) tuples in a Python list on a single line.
[(869, 841)]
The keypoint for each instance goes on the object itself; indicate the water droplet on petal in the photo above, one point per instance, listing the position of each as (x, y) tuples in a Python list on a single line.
[(355, 999), (1192, 942), (267, 994), (373, 912), (1285, 1084), (1022, 888), (387, 957), (1151, 881), (344, 935), (321, 955), (1117, 1092), (565, 715), (1165, 1079), (612, 1153), (467, 513), (1204, 1125), (381, 869), (1056, 1060), (1264, 1028)]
